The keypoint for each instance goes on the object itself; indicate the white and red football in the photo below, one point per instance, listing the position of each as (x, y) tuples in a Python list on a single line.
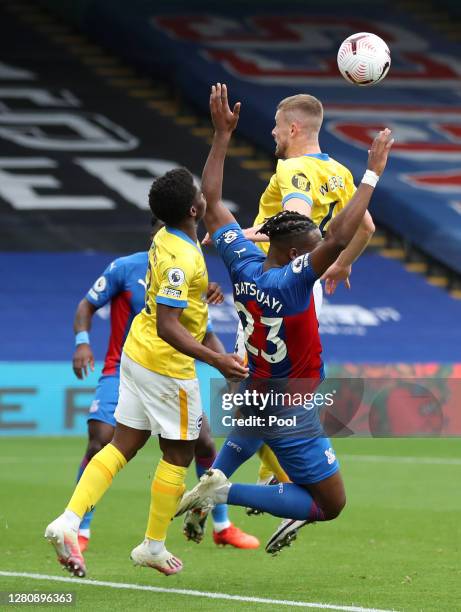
[(364, 59)]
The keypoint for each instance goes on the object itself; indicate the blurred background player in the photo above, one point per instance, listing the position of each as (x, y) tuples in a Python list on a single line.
[(281, 333), (123, 285), (159, 391)]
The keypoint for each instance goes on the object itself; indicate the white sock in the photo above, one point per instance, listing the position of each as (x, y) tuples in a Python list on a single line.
[(84, 532), (220, 526), (72, 519), (155, 546)]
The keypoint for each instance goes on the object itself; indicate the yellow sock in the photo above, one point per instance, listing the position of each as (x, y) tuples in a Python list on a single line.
[(264, 471), (166, 491), (96, 479), (270, 465)]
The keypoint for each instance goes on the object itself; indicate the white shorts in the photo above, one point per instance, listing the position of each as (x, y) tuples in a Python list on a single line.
[(240, 349), (167, 406)]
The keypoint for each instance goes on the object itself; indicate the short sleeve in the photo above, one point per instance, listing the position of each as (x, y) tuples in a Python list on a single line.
[(293, 181), (297, 281), (350, 187), (108, 285), (174, 282), (235, 250)]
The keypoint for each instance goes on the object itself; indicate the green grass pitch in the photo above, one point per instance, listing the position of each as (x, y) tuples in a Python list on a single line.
[(396, 545)]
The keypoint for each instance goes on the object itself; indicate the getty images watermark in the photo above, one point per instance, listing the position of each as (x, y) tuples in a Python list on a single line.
[(270, 409), (337, 407)]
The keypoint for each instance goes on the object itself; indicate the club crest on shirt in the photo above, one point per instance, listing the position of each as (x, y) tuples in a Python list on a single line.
[(176, 277), (301, 182), (330, 455)]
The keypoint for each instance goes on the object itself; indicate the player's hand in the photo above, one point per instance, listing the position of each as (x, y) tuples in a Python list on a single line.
[(231, 366), (83, 358), (224, 119), (334, 275), (377, 155), (207, 241), (214, 294)]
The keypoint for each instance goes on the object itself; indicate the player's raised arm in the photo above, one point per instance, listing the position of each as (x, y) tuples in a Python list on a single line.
[(344, 226), (224, 122)]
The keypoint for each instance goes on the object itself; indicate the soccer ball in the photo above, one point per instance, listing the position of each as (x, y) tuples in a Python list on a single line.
[(364, 59)]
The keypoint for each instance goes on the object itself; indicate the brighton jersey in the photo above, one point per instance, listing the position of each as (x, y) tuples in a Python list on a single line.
[(319, 180), (276, 309), (123, 284), (176, 277)]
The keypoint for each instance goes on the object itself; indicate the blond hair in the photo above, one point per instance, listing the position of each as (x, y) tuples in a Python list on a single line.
[(303, 105)]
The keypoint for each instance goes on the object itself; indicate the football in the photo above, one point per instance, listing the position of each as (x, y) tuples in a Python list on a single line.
[(364, 59)]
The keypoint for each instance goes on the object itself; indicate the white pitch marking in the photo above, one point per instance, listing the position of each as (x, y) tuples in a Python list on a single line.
[(191, 593)]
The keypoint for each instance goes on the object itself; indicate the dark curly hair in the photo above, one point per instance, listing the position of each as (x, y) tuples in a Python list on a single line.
[(171, 196), (287, 223)]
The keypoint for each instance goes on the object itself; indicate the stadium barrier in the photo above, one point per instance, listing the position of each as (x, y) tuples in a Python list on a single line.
[(266, 54)]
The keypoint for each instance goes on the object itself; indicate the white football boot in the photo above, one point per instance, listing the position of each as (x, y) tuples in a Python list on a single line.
[(163, 562), (212, 488), (284, 535), (65, 541)]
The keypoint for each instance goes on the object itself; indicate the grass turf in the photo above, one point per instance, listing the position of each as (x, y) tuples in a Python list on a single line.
[(396, 545)]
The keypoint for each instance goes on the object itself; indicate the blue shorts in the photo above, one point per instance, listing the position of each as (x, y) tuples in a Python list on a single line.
[(105, 400), (305, 461)]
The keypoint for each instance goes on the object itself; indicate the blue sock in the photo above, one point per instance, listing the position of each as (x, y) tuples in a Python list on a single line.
[(220, 512), (284, 500), (88, 517), (235, 451)]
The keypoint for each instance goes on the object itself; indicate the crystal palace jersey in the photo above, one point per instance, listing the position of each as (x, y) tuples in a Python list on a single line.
[(326, 185), (176, 277), (123, 284), (276, 309)]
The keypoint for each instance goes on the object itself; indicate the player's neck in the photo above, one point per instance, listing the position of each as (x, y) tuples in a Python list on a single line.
[(189, 228), (305, 147), (274, 259)]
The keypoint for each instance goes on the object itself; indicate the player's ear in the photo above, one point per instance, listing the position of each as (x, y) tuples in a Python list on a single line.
[(293, 253)]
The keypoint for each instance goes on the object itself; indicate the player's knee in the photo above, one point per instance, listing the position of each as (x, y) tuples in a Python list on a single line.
[(94, 447), (180, 457), (205, 448), (334, 508)]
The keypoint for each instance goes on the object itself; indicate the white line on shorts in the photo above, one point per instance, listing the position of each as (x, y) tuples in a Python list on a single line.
[(190, 593)]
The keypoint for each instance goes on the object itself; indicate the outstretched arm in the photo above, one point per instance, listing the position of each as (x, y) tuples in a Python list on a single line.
[(224, 123), (344, 226)]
